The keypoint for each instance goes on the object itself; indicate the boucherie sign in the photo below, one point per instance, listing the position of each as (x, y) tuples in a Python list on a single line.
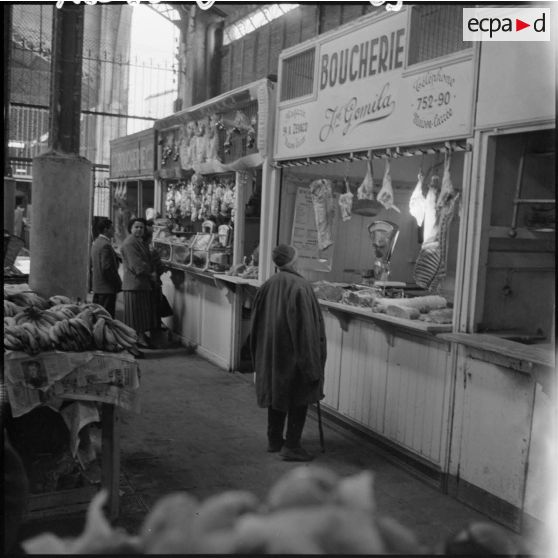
[(364, 95)]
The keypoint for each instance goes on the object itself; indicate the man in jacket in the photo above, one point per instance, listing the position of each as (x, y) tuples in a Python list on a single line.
[(288, 349), (106, 282)]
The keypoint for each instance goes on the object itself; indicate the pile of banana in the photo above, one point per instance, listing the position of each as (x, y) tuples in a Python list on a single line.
[(112, 335), (24, 299), (65, 326), (11, 309)]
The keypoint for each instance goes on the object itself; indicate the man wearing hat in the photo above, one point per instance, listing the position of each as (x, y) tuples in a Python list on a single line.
[(288, 348)]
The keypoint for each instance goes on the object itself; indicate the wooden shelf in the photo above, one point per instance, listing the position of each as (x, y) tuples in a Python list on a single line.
[(508, 353)]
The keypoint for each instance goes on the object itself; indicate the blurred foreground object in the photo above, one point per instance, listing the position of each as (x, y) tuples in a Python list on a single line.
[(309, 510)]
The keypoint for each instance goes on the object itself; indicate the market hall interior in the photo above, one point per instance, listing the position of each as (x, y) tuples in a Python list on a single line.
[(418, 192)]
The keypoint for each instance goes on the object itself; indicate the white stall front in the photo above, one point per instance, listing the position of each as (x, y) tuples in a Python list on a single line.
[(418, 188)]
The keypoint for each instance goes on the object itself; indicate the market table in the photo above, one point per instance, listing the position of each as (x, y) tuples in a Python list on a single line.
[(87, 380)]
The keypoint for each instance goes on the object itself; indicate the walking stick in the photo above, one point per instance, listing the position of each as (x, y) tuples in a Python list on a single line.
[(320, 427)]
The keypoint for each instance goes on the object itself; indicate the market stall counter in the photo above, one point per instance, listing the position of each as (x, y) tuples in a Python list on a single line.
[(86, 388), (66, 376)]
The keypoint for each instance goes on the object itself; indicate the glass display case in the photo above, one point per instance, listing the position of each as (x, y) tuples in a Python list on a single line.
[(181, 253), (164, 250), (201, 246)]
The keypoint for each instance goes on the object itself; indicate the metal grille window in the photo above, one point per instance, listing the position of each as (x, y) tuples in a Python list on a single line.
[(297, 77), (435, 31)]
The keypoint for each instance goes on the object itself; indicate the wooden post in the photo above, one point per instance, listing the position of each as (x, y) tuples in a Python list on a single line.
[(110, 425), (7, 9)]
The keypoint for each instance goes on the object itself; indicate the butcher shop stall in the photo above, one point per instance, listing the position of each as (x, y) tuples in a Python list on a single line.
[(420, 200), (213, 171)]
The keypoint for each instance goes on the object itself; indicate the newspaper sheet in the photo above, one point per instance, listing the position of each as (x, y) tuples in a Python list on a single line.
[(49, 377)]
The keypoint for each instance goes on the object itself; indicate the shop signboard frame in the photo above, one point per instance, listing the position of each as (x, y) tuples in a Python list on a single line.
[(382, 101), (132, 169)]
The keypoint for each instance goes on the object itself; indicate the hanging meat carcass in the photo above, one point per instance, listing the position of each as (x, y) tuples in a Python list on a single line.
[(366, 189), (346, 202), (324, 210), (440, 209), (385, 195), (417, 201)]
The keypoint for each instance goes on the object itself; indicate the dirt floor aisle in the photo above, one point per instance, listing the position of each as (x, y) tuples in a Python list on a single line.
[(201, 431)]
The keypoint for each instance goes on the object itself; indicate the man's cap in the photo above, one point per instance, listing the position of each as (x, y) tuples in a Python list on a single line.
[(283, 255)]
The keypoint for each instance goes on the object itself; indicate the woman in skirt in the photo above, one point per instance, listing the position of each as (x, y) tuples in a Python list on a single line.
[(137, 283)]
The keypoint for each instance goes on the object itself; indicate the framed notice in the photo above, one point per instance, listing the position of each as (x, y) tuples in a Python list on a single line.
[(305, 234)]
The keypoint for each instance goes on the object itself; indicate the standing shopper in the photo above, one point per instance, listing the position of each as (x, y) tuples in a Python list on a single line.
[(106, 282), (288, 348), (137, 282), (161, 308)]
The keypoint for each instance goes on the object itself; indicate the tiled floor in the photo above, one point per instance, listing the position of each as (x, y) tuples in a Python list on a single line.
[(200, 431)]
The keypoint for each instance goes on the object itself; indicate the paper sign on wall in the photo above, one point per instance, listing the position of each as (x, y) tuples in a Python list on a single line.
[(305, 234)]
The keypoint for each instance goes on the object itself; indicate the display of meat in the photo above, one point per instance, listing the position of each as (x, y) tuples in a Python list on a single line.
[(423, 304), (364, 297), (440, 209), (328, 291), (427, 265), (321, 191), (447, 192), (402, 312), (417, 202), (366, 189), (447, 214), (430, 218), (346, 202), (385, 195)]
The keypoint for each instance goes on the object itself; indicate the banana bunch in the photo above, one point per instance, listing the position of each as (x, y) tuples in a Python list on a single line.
[(65, 311), (35, 315), (71, 334), (28, 330), (27, 299), (64, 326), (59, 299), (11, 308), (112, 335), (26, 337), (96, 309)]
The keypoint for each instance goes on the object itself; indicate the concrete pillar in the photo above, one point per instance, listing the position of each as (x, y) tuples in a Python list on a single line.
[(60, 225), (62, 180), (9, 182), (9, 203)]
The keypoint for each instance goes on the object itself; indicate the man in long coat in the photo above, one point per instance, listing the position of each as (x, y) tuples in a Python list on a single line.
[(288, 349), (106, 282)]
